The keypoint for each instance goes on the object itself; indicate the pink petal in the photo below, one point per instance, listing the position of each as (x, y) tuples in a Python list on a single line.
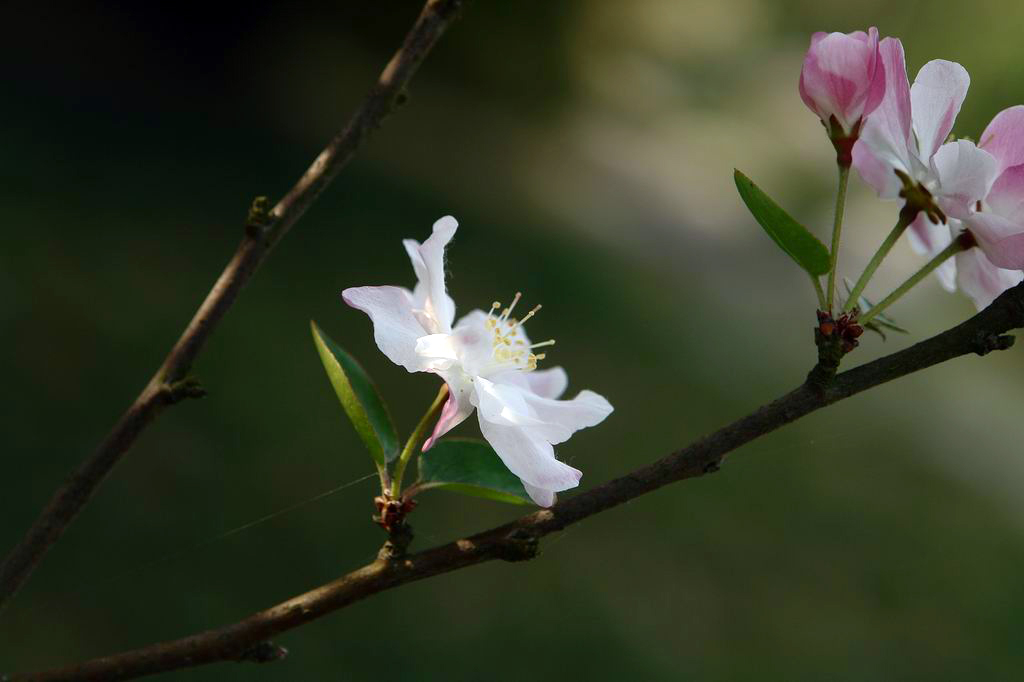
[(837, 75), (885, 138), (1004, 137), (1006, 198), (981, 280), (876, 170), (456, 409), (1007, 253), (877, 91), (1001, 239)]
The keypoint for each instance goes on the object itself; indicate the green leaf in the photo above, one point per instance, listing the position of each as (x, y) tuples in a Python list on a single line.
[(792, 237), (470, 467), (359, 397)]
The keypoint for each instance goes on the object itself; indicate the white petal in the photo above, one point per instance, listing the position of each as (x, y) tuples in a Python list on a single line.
[(965, 174), (935, 99), (504, 403), (474, 342), (565, 417), (395, 327), (543, 498), (554, 420), (548, 383), (428, 262), (529, 457), (437, 351)]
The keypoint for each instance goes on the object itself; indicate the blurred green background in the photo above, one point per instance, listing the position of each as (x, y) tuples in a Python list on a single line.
[(587, 150)]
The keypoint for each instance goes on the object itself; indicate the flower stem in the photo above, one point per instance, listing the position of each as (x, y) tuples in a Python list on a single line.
[(416, 438), (837, 228), (876, 260), (956, 246), (819, 291)]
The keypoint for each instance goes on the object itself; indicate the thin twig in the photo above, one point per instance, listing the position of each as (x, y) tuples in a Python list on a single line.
[(171, 383), (519, 540)]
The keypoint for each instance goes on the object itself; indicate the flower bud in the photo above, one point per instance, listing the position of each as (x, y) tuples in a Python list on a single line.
[(843, 78)]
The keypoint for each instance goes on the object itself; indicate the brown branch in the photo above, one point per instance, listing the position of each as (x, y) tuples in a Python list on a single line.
[(263, 231), (519, 540)]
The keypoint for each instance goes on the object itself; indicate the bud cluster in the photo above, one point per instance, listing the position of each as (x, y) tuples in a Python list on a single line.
[(843, 330)]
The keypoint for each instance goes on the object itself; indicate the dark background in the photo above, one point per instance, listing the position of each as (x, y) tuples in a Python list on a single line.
[(587, 150)]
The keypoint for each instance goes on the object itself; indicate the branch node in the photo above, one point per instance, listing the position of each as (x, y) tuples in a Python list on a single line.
[(834, 338), (519, 545), (263, 652), (713, 466), (258, 219), (986, 342), (189, 387), (399, 538)]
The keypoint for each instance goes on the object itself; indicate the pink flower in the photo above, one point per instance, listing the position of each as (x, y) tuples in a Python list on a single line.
[(998, 225), (842, 77), (902, 141)]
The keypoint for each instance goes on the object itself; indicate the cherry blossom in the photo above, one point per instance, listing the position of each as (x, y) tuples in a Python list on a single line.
[(489, 364), (997, 224), (902, 144)]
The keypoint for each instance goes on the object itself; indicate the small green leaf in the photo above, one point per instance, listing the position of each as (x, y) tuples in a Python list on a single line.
[(470, 467), (359, 397), (792, 237), (887, 322)]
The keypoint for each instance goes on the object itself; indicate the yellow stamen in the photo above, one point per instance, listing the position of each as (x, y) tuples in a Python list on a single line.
[(515, 299), (530, 314), (508, 348)]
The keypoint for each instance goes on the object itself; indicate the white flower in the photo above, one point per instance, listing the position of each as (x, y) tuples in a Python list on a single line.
[(489, 365)]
